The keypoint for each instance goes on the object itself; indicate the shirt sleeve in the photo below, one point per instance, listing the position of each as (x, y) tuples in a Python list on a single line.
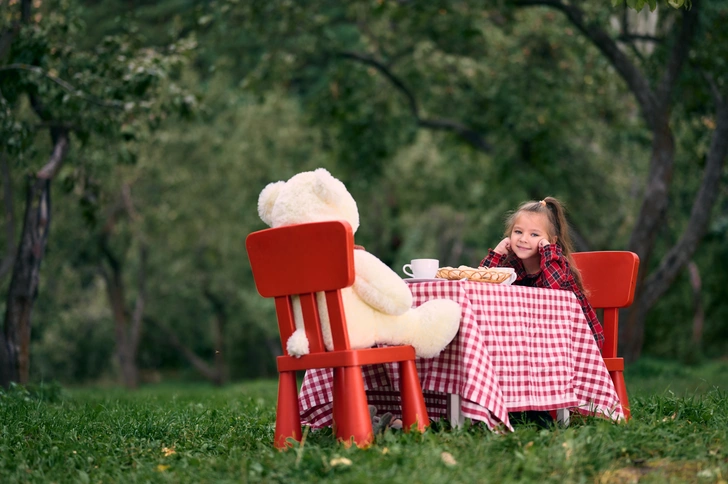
[(493, 259), (554, 268)]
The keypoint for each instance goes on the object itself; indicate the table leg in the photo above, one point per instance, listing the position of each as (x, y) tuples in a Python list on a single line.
[(562, 416), (454, 413)]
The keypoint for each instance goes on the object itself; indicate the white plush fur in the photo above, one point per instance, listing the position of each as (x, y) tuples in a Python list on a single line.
[(378, 306)]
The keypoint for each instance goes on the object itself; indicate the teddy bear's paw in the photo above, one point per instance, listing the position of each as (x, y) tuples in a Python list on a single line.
[(438, 323), (297, 344)]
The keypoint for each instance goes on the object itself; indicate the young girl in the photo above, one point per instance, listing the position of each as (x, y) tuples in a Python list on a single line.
[(538, 247)]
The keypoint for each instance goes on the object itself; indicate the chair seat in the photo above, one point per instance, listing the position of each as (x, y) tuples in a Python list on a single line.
[(614, 364), (336, 359)]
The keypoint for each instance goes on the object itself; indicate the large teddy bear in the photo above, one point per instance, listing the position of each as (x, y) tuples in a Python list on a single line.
[(378, 306)]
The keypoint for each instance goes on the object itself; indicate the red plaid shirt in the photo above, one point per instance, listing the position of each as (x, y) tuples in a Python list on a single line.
[(555, 273)]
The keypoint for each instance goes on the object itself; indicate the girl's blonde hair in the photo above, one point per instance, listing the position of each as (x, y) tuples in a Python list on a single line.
[(558, 228)]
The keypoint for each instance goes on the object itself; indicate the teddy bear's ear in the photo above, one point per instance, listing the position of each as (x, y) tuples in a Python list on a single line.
[(334, 194), (323, 187), (267, 199)]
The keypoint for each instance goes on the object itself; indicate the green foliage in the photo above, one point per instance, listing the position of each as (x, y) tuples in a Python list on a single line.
[(637, 4), (200, 434), (652, 4), (118, 86), (276, 87)]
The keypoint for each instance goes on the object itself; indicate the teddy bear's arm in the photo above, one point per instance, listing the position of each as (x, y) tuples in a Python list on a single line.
[(379, 286)]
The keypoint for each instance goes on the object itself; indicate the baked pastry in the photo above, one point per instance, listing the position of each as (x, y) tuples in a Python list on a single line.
[(480, 274)]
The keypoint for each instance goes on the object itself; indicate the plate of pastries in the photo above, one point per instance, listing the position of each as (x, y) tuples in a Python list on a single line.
[(493, 275)]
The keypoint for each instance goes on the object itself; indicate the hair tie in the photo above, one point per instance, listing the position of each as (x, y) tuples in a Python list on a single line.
[(543, 203)]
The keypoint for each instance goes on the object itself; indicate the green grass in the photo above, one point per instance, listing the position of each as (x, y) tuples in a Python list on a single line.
[(196, 433)]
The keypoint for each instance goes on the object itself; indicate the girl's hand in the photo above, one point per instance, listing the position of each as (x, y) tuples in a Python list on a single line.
[(543, 243), (503, 247)]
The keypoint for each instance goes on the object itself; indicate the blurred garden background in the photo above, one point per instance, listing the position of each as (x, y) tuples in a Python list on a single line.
[(135, 137)]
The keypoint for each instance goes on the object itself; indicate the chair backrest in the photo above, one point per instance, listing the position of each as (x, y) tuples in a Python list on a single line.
[(609, 278), (302, 260)]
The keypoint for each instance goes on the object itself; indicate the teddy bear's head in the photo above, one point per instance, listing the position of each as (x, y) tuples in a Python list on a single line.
[(311, 196)]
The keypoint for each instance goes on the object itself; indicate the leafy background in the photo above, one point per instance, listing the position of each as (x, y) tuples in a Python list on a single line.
[(247, 93)]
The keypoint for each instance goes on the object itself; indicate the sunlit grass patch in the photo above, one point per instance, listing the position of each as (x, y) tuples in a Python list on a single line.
[(662, 470)]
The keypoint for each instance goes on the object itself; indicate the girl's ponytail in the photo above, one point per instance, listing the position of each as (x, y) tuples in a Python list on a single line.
[(557, 216)]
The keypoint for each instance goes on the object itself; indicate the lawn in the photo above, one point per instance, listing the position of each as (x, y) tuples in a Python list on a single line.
[(196, 433)]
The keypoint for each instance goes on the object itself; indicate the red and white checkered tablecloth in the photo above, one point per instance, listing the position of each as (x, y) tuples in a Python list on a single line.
[(518, 348)]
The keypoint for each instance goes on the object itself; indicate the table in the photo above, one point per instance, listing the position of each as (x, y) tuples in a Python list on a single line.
[(518, 348)]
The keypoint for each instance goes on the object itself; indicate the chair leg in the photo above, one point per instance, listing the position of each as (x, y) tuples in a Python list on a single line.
[(621, 389), (352, 422), (338, 402), (414, 411), (288, 419)]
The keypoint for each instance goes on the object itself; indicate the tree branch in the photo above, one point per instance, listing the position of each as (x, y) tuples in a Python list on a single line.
[(634, 78), (679, 53), (65, 85), (386, 72), (114, 262), (198, 363), (60, 148), (468, 134), (645, 38)]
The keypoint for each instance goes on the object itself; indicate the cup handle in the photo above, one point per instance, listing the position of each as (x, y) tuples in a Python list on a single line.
[(404, 269)]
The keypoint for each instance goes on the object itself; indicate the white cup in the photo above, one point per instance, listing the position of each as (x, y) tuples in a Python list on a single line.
[(422, 268)]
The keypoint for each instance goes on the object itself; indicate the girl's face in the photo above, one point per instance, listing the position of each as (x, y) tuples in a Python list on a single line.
[(528, 229)]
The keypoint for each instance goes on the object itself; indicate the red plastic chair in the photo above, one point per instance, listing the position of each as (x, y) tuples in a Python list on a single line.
[(303, 260), (609, 278)]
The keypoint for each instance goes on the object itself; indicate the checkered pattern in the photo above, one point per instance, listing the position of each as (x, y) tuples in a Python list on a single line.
[(518, 348)]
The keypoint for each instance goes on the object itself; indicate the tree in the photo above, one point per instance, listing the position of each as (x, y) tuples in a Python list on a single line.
[(127, 324), (394, 41), (49, 85), (656, 101)]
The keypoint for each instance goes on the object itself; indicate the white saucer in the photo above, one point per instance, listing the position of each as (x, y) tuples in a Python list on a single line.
[(414, 279)]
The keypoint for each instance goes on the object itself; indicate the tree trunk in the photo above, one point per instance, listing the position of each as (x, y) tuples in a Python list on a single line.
[(655, 106), (218, 335), (125, 354), (659, 281), (15, 341), (127, 329), (24, 283), (7, 263), (698, 311), (15, 356), (6, 372), (642, 241), (9, 210)]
